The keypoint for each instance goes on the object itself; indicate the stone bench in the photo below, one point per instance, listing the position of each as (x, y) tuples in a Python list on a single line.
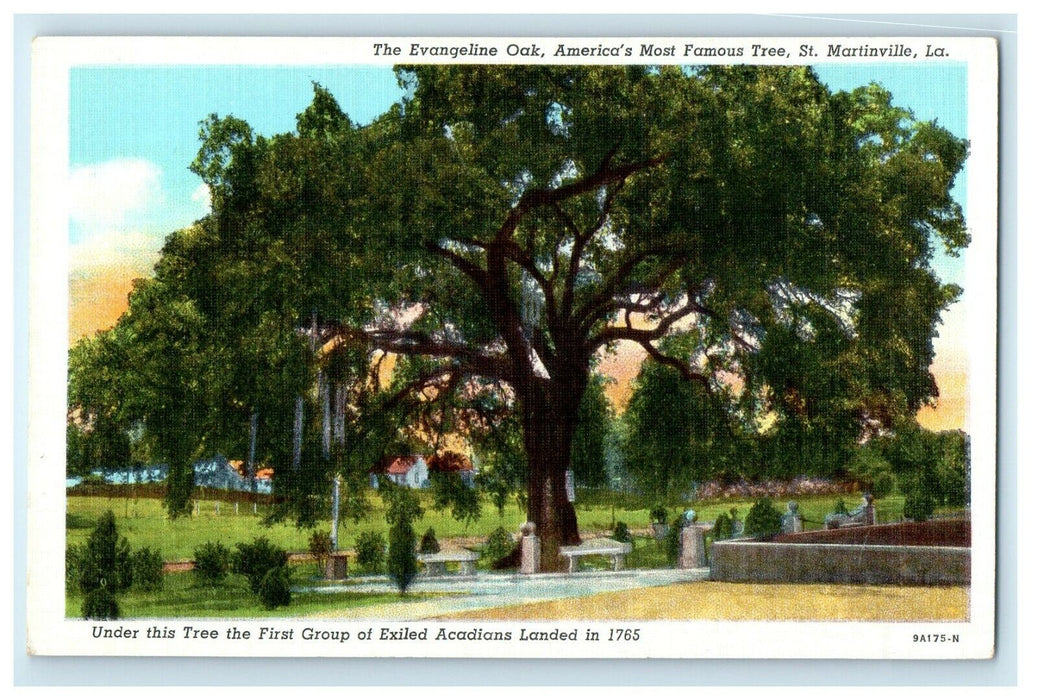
[(606, 547), (436, 564)]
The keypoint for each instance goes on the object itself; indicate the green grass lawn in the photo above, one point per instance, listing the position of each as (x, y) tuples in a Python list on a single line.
[(182, 596), (144, 522)]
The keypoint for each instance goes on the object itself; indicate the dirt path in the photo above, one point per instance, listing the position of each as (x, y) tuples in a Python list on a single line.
[(708, 600)]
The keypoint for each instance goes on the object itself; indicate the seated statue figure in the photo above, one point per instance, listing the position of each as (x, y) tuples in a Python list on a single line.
[(865, 514)]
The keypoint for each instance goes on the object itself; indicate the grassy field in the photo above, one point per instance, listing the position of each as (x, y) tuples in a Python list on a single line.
[(183, 596), (711, 600), (144, 523)]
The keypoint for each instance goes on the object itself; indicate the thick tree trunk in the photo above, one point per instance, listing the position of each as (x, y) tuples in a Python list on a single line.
[(549, 421)]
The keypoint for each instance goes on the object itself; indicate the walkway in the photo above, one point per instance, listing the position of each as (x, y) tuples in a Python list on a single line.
[(494, 590)]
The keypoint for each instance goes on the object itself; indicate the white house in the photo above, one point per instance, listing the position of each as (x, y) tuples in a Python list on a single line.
[(411, 471)]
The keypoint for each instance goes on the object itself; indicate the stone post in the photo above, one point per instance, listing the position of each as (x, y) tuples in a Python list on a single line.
[(529, 549), (693, 548), (869, 510), (335, 567)]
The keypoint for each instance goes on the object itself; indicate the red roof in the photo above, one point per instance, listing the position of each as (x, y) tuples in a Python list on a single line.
[(262, 472), (396, 465)]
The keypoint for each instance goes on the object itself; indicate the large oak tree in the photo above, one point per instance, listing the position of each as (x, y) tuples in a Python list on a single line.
[(503, 226)]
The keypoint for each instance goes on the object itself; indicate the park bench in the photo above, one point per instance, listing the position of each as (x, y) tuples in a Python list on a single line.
[(436, 564), (602, 546)]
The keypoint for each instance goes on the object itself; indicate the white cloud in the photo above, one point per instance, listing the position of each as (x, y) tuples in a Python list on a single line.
[(116, 248), (105, 195), (203, 196)]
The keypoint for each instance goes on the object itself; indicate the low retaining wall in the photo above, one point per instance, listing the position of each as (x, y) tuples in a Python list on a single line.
[(743, 560)]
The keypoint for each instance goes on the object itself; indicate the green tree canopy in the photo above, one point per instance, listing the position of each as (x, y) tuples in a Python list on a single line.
[(504, 225)]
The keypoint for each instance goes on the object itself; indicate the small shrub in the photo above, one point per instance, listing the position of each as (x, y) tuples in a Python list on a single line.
[(723, 527), (254, 560), (882, 484), (840, 508), (147, 569), (919, 504), (212, 560), (320, 548), (673, 540), (371, 551), (105, 560), (100, 604), (429, 545), (621, 533), (499, 544), (74, 556), (764, 520), (401, 563), (275, 589), (658, 514)]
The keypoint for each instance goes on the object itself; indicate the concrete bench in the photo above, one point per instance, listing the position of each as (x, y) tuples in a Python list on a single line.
[(602, 546), (436, 564)]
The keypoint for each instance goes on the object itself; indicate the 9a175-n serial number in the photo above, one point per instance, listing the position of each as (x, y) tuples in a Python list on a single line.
[(935, 638)]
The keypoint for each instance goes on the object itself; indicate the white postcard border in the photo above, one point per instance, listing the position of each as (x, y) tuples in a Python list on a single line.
[(50, 633)]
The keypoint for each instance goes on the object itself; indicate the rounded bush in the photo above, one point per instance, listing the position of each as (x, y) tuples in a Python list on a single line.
[(147, 569), (401, 562), (106, 559), (919, 505), (320, 547), (882, 484), (499, 544), (673, 539), (255, 559), (100, 604), (74, 556), (764, 520), (212, 560), (723, 527), (429, 545), (621, 533), (274, 588), (371, 551)]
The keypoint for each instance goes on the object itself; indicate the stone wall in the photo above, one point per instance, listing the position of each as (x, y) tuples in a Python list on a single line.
[(741, 560)]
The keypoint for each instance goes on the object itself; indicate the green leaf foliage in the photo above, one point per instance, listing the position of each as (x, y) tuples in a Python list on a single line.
[(764, 520), (371, 551), (274, 588), (499, 544), (401, 562), (429, 543), (212, 561), (255, 559), (147, 569), (764, 240), (106, 561)]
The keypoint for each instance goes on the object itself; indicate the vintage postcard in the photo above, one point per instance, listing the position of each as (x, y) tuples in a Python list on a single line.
[(668, 347)]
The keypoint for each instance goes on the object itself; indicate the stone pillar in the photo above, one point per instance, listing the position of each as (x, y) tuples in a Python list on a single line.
[(869, 509), (529, 549), (335, 566), (693, 548)]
